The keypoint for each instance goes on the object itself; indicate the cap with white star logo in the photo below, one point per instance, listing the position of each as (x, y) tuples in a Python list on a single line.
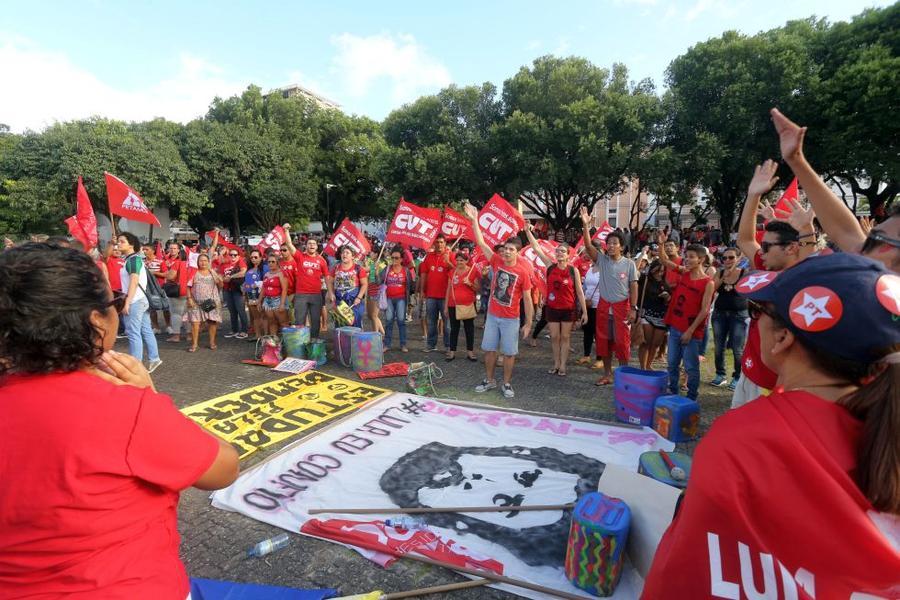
[(816, 308)]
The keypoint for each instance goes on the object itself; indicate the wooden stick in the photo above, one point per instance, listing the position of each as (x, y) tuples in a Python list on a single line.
[(439, 509), (436, 589), (455, 243)]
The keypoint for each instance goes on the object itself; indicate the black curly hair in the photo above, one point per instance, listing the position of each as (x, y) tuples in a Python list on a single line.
[(47, 294)]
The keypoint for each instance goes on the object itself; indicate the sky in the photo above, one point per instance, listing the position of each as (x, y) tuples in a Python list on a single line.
[(139, 60)]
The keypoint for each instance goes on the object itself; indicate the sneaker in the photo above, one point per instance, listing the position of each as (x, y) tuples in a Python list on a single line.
[(732, 385), (169, 330), (154, 364), (240, 336), (485, 385), (508, 391), (231, 335), (719, 381), (430, 349), (121, 336)]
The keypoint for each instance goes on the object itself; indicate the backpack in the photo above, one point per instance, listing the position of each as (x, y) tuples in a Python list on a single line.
[(156, 297)]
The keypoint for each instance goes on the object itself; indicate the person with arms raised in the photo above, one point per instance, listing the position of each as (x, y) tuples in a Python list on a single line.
[(94, 457), (512, 279), (311, 271), (797, 494)]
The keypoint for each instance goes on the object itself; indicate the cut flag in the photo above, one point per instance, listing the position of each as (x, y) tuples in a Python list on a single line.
[(209, 236), (347, 235), (125, 202), (499, 221), (455, 225), (413, 225), (601, 234), (83, 225)]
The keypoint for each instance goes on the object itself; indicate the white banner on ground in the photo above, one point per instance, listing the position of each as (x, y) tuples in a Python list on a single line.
[(408, 450)]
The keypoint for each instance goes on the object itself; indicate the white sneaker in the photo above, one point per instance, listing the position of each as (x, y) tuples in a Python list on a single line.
[(169, 330), (154, 364), (230, 335), (508, 391), (240, 336), (485, 385)]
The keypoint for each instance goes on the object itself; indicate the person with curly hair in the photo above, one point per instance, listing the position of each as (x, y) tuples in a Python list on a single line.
[(94, 457), (136, 311)]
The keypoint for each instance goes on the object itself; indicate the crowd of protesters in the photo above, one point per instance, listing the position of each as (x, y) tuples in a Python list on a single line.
[(806, 469)]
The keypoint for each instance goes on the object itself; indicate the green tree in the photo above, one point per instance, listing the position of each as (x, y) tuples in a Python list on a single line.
[(570, 134)]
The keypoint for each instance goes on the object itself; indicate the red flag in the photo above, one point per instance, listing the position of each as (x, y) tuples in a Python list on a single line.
[(158, 250), (414, 225), (499, 221), (347, 234), (455, 225), (540, 269), (601, 234), (790, 193), (273, 240), (125, 202), (223, 240), (83, 225)]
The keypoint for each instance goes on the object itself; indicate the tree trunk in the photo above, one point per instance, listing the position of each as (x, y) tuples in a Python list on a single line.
[(236, 220)]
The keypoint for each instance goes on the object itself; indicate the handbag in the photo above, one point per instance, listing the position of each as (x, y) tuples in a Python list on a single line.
[(207, 305), (172, 289)]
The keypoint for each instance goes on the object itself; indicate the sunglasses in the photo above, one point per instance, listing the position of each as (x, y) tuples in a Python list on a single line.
[(395, 258), (756, 310), (233, 254), (876, 237), (730, 258), (285, 250), (118, 301), (766, 246)]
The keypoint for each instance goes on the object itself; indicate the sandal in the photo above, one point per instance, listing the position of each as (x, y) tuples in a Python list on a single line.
[(212, 346), (561, 373), (552, 371), (472, 357), (603, 381), (192, 349)]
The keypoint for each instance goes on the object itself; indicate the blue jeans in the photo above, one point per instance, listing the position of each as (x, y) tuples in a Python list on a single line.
[(729, 331), (395, 313), (434, 307), (690, 352), (139, 330), (234, 300)]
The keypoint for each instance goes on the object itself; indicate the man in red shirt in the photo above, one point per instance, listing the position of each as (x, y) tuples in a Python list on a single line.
[(176, 278), (434, 275), (782, 247), (232, 270), (512, 278), (310, 271)]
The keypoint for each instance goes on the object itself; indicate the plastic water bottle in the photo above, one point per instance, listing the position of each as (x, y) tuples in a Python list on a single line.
[(270, 545), (406, 523)]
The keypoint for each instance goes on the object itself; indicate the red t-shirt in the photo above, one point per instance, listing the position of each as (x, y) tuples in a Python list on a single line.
[(561, 288), (437, 273), (685, 305), (673, 275), (227, 269), (114, 267), (752, 365), (181, 267), (271, 285), (396, 282), (772, 506), (507, 287), (464, 285), (91, 473), (309, 273), (289, 269)]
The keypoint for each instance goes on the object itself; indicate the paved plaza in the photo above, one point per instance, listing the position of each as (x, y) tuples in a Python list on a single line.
[(214, 542)]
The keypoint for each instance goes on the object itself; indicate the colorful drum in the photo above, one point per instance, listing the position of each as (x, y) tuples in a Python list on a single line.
[(676, 418), (652, 465), (315, 350), (366, 351), (597, 537), (342, 336), (293, 340), (635, 391)]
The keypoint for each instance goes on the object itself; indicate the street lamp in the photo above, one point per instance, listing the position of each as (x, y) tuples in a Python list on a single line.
[(328, 187)]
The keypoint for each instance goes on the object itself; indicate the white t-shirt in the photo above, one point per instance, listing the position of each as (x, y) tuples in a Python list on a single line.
[(134, 264)]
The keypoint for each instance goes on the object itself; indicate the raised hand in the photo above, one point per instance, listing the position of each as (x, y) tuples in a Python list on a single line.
[(790, 135), (767, 212), (585, 215), (286, 226), (866, 223), (800, 217), (470, 212), (763, 179)]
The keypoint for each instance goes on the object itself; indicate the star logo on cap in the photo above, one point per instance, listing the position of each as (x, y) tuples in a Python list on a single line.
[(888, 291), (756, 280), (816, 309)]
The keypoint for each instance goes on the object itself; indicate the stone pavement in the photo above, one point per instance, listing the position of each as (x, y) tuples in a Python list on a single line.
[(214, 541)]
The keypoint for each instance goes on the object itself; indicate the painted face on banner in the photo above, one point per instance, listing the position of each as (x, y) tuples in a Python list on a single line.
[(504, 481)]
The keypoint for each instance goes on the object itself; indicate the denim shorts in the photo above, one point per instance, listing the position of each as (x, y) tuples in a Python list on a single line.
[(271, 303), (501, 333)]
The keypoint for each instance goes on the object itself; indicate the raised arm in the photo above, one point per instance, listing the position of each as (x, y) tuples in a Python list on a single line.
[(662, 238), (837, 220), (529, 233), (586, 232), (763, 180), (472, 214), (287, 241)]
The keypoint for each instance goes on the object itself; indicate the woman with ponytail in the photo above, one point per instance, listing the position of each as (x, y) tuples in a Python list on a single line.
[(797, 494)]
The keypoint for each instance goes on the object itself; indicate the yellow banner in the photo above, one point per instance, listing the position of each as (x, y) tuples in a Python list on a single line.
[(266, 414)]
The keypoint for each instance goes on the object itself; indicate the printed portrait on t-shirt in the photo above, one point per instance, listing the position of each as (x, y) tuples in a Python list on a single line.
[(504, 286), (439, 475)]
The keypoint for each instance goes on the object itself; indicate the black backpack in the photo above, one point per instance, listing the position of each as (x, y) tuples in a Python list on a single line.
[(154, 292)]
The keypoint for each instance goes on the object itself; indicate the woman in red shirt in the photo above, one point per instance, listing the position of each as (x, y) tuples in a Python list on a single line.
[(398, 281), (461, 292), (797, 494), (564, 296), (274, 296), (90, 510)]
